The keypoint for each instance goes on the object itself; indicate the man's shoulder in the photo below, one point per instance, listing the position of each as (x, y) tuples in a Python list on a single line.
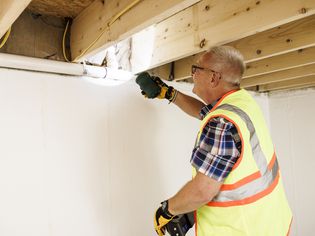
[(220, 122)]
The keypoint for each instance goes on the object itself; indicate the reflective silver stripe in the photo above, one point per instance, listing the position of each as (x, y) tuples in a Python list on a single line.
[(267, 176), (249, 189), (258, 154)]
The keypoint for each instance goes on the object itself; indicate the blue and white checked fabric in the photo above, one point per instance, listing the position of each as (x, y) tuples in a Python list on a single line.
[(219, 147)]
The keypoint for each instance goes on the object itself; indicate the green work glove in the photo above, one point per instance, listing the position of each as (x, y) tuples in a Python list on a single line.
[(161, 218), (154, 87)]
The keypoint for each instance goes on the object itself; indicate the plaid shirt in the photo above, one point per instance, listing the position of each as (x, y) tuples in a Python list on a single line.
[(218, 148)]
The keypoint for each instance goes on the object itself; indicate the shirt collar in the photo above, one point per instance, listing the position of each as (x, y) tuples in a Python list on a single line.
[(207, 108)]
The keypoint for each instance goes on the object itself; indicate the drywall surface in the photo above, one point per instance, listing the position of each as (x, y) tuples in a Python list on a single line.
[(78, 158), (292, 120)]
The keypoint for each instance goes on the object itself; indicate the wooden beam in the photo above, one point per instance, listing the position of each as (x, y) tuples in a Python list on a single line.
[(162, 71), (9, 12), (282, 39), (253, 88), (303, 82), (279, 76), (286, 61), (213, 22), (183, 67), (90, 32)]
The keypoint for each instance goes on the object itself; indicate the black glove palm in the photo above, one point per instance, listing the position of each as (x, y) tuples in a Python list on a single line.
[(154, 87)]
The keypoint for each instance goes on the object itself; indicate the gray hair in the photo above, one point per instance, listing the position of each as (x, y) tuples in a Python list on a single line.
[(229, 62)]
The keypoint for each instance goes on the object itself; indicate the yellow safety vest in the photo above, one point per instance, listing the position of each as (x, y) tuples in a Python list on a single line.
[(252, 200)]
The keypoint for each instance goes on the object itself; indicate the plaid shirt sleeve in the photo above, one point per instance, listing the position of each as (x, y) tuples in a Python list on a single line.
[(218, 150)]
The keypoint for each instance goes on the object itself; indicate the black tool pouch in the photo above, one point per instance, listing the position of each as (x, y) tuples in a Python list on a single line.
[(180, 224)]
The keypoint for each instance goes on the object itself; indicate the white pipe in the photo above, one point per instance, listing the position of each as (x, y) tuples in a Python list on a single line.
[(58, 67)]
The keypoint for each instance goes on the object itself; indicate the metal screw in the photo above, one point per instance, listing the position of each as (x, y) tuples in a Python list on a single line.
[(202, 43)]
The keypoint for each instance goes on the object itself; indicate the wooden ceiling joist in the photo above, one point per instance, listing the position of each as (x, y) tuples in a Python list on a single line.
[(218, 22), (286, 61), (90, 32), (279, 76), (9, 12), (286, 38), (302, 82), (279, 40)]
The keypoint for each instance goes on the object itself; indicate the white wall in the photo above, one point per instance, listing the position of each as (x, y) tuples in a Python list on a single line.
[(292, 120), (78, 158)]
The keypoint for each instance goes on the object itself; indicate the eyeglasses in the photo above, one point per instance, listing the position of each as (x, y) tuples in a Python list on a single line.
[(195, 67)]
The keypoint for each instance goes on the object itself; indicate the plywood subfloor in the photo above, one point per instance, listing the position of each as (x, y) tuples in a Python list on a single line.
[(59, 8)]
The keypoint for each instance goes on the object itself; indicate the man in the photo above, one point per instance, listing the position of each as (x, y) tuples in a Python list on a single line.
[(237, 188)]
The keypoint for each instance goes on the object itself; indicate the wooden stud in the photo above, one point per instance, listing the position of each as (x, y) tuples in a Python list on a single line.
[(9, 12)]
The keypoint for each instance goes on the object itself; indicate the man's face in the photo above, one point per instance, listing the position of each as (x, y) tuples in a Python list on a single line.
[(202, 75)]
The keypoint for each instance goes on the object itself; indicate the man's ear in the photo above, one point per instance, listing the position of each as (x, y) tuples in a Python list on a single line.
[(215, 79)]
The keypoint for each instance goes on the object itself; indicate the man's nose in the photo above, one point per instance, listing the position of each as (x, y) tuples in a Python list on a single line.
[(193, 76)]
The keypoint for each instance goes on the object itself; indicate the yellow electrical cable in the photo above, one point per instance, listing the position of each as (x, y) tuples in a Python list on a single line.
[(6, 36), (63, 42), (131, 5)]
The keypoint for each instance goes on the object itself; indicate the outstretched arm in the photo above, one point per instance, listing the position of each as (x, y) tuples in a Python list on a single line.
[(189, 105)]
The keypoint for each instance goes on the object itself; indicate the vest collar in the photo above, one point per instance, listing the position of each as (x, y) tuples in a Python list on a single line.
[(210, 107)]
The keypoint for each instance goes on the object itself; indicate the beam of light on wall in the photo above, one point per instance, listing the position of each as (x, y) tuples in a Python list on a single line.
[(109, 76)]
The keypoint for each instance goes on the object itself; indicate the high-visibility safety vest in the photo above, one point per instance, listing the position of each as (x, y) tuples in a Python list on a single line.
[(251, 201)]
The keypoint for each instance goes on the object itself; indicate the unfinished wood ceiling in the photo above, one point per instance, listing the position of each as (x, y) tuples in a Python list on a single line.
[(277, 38), (59, 8), (282, 57)]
